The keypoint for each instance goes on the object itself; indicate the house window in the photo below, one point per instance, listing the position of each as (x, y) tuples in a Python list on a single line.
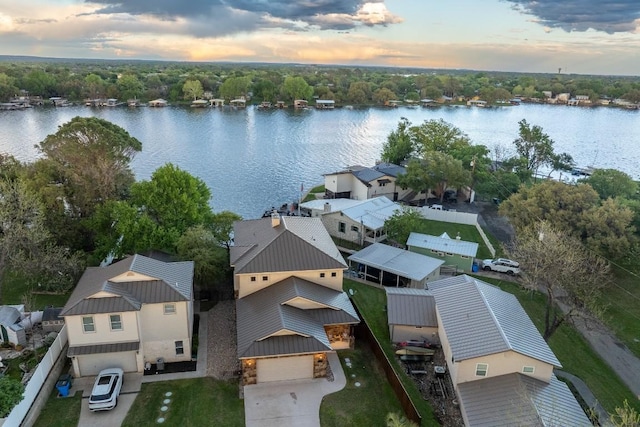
[(528, 369), (464, 257), (481, 369), (179, 348), (265, 278), (334, 274), (253, 278), (116, 322), (169, 309), (88, 325), (355, 228), (342, 227), (322, 275)]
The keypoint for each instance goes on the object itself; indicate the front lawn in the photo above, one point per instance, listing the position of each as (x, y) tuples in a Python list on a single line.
[(194, 402), (363, 406), (60, 411)]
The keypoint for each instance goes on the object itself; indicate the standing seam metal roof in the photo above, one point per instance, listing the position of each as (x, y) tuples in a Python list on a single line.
[(397, 261), (411, 307), (481, 319), (443, 244)]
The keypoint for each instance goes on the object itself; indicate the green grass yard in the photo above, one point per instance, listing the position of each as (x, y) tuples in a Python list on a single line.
[(60, 411), (14, 288), (468, 233)]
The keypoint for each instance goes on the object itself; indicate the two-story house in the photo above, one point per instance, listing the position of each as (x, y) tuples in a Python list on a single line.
[(130, 313), (290, 307), (361, 183)]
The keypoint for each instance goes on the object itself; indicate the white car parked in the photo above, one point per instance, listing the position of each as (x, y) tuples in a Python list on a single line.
[(104, 395), (502, 265)]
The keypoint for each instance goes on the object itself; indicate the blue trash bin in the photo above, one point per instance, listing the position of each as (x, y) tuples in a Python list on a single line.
[(64, 385), (475, 267)]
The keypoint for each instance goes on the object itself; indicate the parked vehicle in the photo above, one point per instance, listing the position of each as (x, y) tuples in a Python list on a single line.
[(104, 395), (502, 265)]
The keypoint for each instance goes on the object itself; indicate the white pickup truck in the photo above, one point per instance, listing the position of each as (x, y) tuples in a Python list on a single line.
[(502, 265)]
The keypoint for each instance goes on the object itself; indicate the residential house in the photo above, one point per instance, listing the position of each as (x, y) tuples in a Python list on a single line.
[(360, 183), (389, 266), (500, 366), (130, 313), (357, 221), (411, 315), (290, 307), (454, 252)]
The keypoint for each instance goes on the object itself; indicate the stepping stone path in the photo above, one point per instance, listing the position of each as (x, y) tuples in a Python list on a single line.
[(165, 406)]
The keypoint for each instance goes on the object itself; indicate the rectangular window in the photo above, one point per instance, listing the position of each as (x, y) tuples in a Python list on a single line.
[(464, 257), (528, 369), (481, 369), (334, 274), (179, 348), (265, 278), (253, 278), (169, 309), (355, 228), (342, 227), (116, 322), (88, 325), (322, 275)]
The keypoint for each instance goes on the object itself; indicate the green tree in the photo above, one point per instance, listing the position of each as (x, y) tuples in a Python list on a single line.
[(607, 230), (8, 87), (438, 135), (38, 82), (536, 147), (383, 95), (611, 183), (265, 90), (400, 225), (557, 264), (11, 392), (130, 87), (399, 145), (296, 88), (359, 92), (94, 86), (192, 89), (436, 171), (221, 226), (212, 268), (92, 159), (234, 87)]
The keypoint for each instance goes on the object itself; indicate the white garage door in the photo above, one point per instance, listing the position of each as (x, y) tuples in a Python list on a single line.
[(91, 364), (285, 368)]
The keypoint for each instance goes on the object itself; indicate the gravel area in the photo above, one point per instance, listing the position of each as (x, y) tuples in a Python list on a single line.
[(222, 360)]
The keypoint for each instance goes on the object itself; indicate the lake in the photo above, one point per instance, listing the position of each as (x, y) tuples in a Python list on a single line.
[(253, 159)]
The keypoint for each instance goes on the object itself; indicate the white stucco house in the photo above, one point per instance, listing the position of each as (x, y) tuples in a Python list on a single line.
[(130, 313), (361, 183)]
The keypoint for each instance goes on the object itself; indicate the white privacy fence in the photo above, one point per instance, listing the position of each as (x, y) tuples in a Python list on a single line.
[(35, 384)]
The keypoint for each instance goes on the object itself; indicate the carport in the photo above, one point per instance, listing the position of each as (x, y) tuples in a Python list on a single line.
[(389, 266)]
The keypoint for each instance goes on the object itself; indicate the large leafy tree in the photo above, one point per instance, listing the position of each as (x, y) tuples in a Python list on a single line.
[(399, 226), (159, 212), (130, 87), (558, 265), (612, 183), (91, 159), (234, 87), (436, 171), (399, 145), (535, 147), (200, 245), (192, 89), (296, 88)]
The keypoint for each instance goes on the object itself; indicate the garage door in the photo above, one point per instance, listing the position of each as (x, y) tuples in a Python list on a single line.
[(285, 368), (91, 364)]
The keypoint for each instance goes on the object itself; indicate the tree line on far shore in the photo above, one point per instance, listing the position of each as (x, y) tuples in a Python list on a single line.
[(183, 82)]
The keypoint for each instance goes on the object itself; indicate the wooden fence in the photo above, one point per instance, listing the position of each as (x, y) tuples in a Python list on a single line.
[(364, 333)]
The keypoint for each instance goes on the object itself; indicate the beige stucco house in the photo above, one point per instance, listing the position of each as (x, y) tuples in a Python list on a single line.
[(361, 183), (290, 307), (130, 313)]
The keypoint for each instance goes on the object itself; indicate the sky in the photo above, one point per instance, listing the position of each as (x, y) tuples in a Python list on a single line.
[(547, 36)]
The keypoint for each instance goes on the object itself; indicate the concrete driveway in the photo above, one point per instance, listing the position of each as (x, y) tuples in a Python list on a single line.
[(291, 403), (115, 417)]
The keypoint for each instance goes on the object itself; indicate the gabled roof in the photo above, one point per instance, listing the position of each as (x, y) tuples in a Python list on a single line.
[(411, 307), (165, 282), (336, 205), (480, 319), (366, 175), (297, 243), (520, 400), (263, 315), (9, 315), (372, 213), (397, 261), (390, 169), (443, 243)]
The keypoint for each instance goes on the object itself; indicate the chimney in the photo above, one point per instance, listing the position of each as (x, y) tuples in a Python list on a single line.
[(327, 207), (275, 218)]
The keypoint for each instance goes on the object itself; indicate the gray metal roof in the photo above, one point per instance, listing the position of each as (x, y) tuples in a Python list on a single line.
[(336, 205), (9, 315), (266, 312), (398, 261), (390, 169), (372, 213), (481, 319), (173, 282), (103, 348), (413, 307), (298, 243), (366, 175), (520, 400), (443, 244)]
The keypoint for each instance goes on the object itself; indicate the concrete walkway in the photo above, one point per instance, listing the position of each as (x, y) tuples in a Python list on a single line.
[(291, 403)]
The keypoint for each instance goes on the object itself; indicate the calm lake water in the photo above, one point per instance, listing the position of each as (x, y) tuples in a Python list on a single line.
[(253, 159)]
